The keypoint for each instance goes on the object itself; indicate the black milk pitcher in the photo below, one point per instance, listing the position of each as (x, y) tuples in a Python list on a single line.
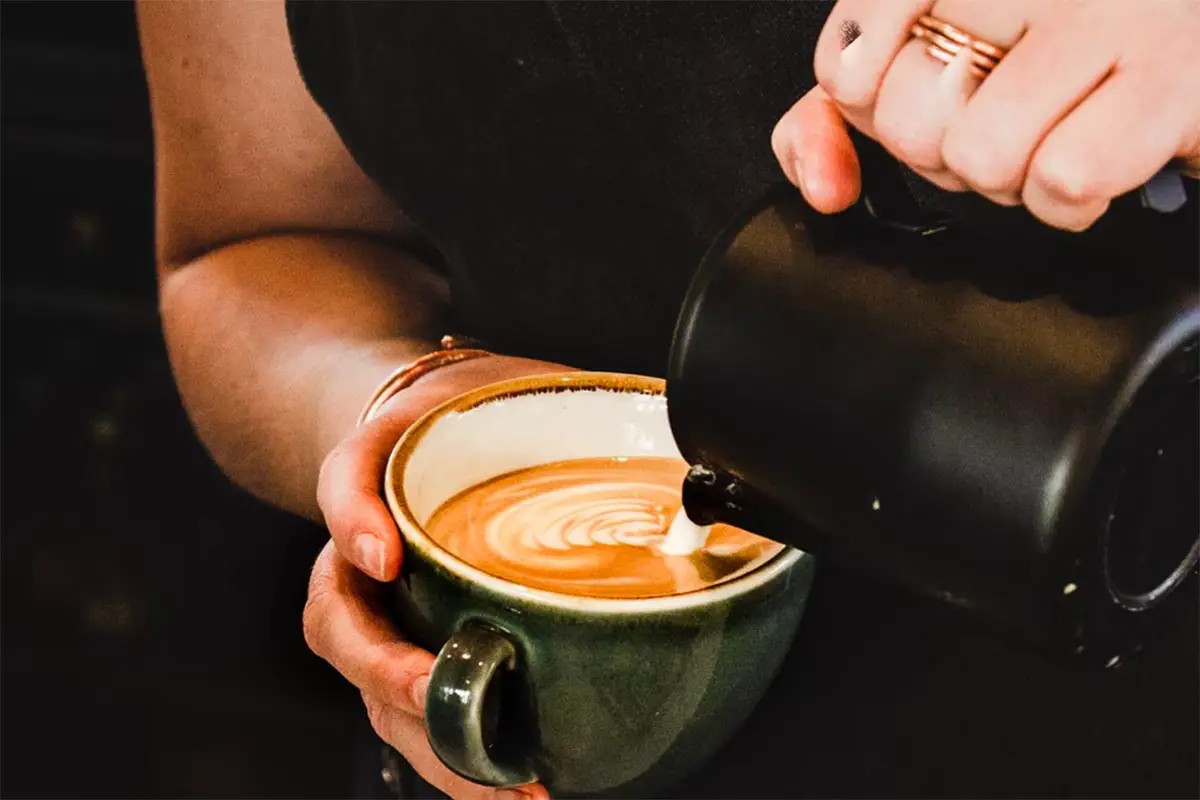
[(1008, 426)]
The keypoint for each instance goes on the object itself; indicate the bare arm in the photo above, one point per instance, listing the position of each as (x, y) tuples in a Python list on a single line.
[(285, 291), (286, 296)]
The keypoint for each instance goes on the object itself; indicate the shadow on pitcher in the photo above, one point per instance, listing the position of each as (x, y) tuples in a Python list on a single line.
[(1009, 428)]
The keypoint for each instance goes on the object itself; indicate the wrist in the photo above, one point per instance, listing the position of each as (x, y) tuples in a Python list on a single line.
[(351, 390), (408, 374), (453, 379), (349, 382)]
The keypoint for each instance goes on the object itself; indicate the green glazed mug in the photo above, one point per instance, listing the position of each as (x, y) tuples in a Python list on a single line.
[(589, 696)]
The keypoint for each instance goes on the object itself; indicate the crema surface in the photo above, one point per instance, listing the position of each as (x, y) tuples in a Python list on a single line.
[(590, 527)]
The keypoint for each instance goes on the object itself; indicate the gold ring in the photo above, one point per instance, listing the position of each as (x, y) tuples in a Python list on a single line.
[(945, 41)]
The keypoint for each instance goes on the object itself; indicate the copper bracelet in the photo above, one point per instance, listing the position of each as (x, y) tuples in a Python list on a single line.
[(452, 352)]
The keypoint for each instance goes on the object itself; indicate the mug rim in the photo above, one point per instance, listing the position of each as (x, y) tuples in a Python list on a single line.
[(415, 537)]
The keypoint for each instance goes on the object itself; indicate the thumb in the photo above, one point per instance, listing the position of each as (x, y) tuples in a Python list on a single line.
[(348, 493), (816, 154)]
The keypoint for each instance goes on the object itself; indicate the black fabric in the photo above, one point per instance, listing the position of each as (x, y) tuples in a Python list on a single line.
[(570, 161)]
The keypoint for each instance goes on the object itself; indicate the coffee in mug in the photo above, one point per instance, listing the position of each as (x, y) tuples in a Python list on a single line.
[(590, 527)]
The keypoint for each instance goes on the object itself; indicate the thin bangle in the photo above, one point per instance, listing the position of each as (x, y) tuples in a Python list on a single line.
[(451, 352)]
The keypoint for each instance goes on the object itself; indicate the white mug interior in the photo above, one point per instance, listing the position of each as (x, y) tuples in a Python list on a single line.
[(462, 449)]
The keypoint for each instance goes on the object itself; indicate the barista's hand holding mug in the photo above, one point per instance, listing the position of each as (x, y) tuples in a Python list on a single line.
[(347, 619), (573, 652)]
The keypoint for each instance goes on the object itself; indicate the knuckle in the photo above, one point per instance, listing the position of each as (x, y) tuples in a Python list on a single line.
[(907, 144), (315, 617), (341, 502), (1073, 218), (944, 180), (380, 673), (332, 465), (825, 72), (313, 621), (856, 98), (393, 670), (1073, 223), (325, 493), (413, 664), (334, 457), (1008, 199), (1064, 179), (856, 90), (924, 155), (889, 133), (1083, 223), (379, 717), (979, 164)]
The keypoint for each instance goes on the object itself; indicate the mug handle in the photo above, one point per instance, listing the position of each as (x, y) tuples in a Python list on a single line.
[(454, 715)]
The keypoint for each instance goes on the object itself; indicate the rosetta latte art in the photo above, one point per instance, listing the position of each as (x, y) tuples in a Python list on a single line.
[(589, 527)]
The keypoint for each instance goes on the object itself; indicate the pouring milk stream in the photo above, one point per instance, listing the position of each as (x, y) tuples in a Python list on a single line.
[(684, 536)]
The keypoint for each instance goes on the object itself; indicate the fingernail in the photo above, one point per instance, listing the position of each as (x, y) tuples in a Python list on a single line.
[(420, 688), (369, 555)]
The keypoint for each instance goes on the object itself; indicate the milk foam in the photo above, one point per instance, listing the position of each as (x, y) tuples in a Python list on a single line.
[(684, 536), (593, 527)]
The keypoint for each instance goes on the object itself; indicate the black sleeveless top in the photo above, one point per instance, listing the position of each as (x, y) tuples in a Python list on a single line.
[(569, 162)]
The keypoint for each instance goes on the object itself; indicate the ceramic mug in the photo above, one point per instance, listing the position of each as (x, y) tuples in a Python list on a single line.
[(589, 696)]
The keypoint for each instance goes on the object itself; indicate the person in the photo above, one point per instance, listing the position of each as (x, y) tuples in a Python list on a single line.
[(340, 184)]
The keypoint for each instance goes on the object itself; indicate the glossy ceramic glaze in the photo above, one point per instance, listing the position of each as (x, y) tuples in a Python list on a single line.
[(590, 696)]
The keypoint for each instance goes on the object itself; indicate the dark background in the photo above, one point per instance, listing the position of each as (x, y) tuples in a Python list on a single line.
[(151, 642), (150, 611)]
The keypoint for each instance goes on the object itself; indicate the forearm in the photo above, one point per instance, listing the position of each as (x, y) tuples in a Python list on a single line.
[(277, 342)]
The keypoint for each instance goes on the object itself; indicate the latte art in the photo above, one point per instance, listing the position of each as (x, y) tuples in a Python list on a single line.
[(590, 527), (543, 514)]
